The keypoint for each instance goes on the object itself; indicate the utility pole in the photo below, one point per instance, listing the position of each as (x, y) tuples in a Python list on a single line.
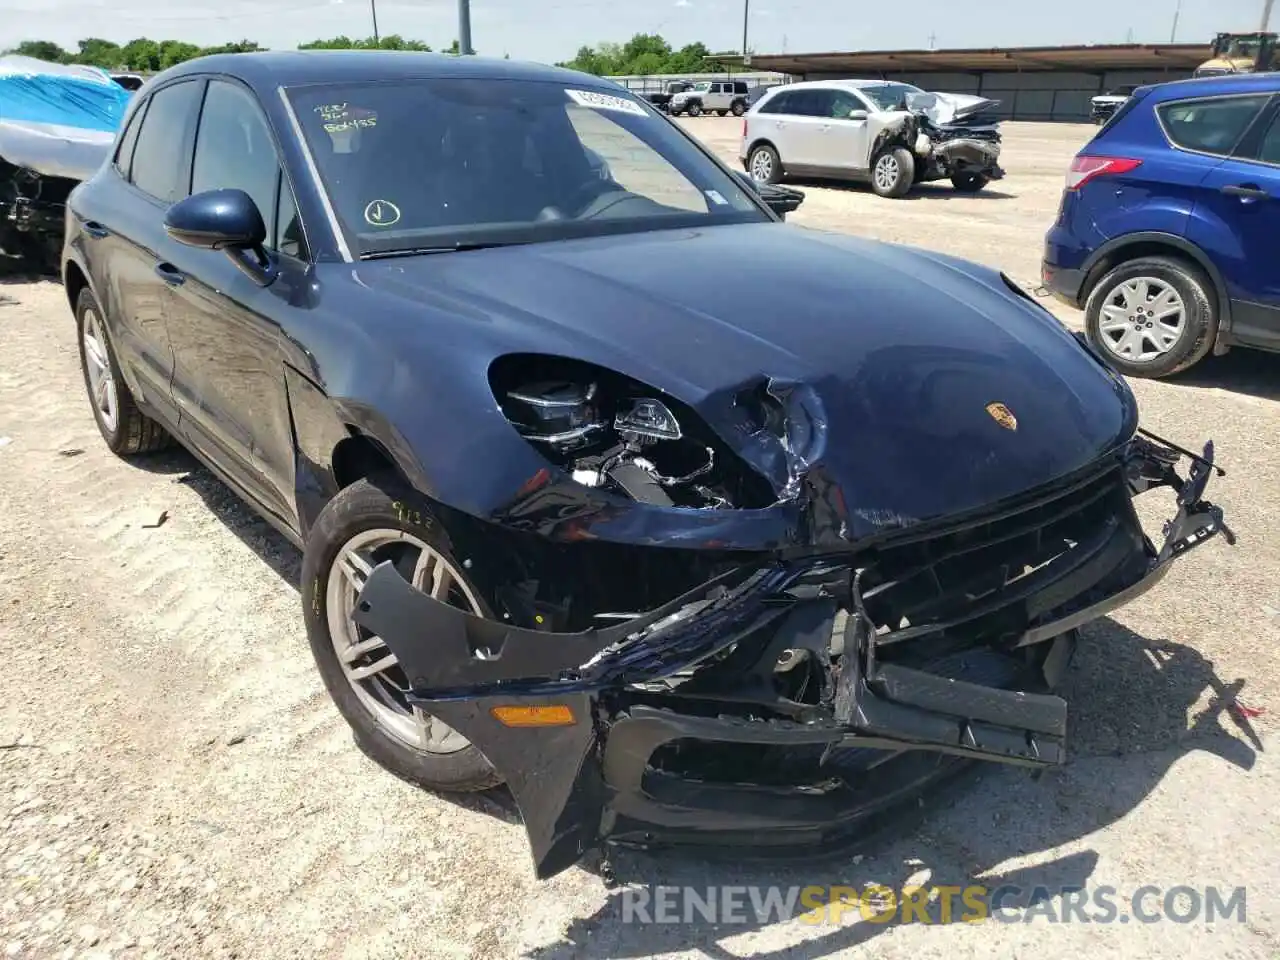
[(1266, 14), (746, 11), (464, 28), (1173, 34), (373, 8)]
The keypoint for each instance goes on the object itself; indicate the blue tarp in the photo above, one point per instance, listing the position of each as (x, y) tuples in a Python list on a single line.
[(57, 119)]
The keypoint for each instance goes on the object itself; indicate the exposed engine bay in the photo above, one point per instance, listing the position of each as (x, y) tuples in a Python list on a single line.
[(619, 435), (32, 209), (951, 135)]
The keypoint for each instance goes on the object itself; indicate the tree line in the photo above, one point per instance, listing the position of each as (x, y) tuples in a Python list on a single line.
[(644, 53), (150, 56)]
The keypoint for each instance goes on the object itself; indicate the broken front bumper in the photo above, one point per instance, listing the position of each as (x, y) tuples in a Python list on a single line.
[(690, 722)]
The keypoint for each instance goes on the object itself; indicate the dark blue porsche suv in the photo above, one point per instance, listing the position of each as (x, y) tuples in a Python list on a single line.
[(751, 558), (1169, 229)]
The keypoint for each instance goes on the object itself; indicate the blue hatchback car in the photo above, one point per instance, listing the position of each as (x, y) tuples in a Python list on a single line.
[(1168, 235)]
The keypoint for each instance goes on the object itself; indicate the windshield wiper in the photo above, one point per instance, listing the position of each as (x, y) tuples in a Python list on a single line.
[(458, 247)]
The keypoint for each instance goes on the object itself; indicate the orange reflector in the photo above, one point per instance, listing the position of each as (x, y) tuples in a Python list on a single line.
[(547, 715)]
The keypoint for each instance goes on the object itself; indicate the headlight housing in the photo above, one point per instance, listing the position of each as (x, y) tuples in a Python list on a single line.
[(613, 432)]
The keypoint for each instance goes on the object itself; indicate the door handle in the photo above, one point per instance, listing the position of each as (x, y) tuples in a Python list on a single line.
[(1245, 191), (170, 274), (95, 229)]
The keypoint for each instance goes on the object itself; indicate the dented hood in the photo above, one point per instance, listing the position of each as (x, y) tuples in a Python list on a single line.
[(904, 352), (944, 108)]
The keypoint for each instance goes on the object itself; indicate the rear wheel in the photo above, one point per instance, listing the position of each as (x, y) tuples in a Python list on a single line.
[(125, 428), (892, 172), (969, 182), (764, 164), (367, 523), (738, 108), (1152, 316)]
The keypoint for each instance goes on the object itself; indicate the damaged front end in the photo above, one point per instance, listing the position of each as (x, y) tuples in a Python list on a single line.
[(795, 692), (952, 136), (32, 216)]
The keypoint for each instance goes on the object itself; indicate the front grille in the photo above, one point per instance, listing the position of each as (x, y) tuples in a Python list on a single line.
[(988, 580)]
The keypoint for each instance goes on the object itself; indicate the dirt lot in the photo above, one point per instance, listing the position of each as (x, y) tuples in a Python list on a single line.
[(174, 783)]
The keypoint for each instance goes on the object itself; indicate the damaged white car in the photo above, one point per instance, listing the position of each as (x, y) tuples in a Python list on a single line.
[(892, 135)]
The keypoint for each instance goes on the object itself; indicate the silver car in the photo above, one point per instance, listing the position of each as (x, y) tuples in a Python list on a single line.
[(892, 135)]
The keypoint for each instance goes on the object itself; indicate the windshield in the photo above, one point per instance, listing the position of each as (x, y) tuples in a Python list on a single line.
[(702, 87), (439, 163), (889, 96)]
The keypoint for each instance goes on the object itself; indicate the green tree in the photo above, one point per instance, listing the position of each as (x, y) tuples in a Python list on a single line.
[(174, 52), (96, 52), (142, 55), (392, 42), (45, 50), (242, 46)]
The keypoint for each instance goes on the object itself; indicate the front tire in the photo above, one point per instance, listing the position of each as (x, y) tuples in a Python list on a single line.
[(1152, 317), (892, 172), (366, 523), (125, 429), (695, 110), (969, 182)]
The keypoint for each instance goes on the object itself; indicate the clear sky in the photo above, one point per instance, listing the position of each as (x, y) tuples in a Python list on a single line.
[(550, 30)]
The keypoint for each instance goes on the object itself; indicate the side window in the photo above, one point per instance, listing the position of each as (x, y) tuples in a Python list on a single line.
[(1269, 152), (129, 140), (160, 157), (289, 239), (234, 150), (781, 103), (843, 103), (1211, 125), (819, 103)]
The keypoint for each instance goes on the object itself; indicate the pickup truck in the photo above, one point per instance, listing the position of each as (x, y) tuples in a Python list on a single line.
[(662, 100)]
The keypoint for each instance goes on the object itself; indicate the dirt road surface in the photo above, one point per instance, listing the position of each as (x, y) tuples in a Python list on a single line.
[(174, 783)]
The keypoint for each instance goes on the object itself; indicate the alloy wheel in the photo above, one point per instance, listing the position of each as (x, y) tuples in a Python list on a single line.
[(886, 172), (1142, 319), (102, 385), (761, 166), (369, 665)]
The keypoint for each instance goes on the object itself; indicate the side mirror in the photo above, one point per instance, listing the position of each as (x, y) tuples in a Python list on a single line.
[(781, 200), (225, 220), (857, 115)]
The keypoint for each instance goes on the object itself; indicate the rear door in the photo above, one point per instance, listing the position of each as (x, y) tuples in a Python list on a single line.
[(1237, 221), (152, 159)]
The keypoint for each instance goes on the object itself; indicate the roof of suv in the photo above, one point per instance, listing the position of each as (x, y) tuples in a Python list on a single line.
[(846, 84), (1216, 86)]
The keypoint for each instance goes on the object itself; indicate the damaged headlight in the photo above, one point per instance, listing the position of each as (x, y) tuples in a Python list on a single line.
[(610, 431)]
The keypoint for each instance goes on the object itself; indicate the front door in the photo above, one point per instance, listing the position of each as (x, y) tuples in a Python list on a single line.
[(844, 140), (229, 372), (1238, 221)]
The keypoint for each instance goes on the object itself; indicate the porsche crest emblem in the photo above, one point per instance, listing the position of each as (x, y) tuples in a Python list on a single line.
[(1002, 415)]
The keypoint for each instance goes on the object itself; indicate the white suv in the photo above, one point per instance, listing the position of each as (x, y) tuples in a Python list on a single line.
[(712, 96), (893, 135)]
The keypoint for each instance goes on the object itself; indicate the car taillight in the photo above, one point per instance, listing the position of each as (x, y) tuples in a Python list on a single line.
[(744, 128), (1084, 168)]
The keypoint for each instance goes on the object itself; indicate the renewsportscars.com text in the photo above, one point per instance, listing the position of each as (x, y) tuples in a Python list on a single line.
[(942, 904)]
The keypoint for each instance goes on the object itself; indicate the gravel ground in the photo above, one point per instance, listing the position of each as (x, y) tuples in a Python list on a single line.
[(173, 781)]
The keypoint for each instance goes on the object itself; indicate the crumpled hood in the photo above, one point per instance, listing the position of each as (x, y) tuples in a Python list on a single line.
[(903, 350), (944, 108)]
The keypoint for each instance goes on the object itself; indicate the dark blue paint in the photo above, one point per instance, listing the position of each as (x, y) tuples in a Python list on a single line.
[(891, 353)]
